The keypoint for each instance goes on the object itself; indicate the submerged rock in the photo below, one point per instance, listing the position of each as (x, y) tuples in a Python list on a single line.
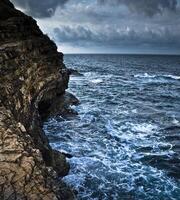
[(74, 72), (31, 73)]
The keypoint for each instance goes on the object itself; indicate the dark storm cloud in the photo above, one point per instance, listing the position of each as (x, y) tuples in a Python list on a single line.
[(84, 36), (148, 7), (39, 8), (134, 25)]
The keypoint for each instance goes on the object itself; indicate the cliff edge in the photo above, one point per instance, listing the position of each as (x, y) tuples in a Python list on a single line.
[(32, 75)]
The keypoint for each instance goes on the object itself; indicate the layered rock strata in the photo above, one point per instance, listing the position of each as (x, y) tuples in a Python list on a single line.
[(32, 75)]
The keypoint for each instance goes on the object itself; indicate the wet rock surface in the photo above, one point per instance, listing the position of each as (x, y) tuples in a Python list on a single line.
[(31, 73), (60, 105), (74, 72)]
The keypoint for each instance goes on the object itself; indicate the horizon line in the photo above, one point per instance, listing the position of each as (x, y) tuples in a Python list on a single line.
[(147, 54)]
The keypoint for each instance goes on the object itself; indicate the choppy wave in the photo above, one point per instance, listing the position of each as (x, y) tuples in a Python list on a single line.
[(96, 81), (176, 122), (146, 75), (125, 141)]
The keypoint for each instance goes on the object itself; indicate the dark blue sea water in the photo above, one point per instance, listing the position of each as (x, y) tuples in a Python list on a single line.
[(125, 141)]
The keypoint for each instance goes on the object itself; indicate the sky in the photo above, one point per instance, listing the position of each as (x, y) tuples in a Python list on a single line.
[(108, 26)]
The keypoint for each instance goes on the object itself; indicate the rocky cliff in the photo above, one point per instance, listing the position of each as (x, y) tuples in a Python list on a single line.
[(32, 76)]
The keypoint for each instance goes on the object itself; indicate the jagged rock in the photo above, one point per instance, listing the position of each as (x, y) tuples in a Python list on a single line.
[(61, 105), (31, 72), (74, 72)]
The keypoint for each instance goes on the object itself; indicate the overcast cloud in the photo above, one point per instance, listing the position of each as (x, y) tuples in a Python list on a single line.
[(39, 8), (147, 7), (117, 26)]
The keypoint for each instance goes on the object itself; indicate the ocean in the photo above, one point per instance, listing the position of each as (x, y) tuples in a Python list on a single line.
[(125, 141)]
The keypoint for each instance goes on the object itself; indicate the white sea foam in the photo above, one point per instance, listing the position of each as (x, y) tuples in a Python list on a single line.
[(134, 111), (146, 75), (96, 81), (173, 77), (176, 122), (110, 129), (124, 112), (90, 74), (145, 128)]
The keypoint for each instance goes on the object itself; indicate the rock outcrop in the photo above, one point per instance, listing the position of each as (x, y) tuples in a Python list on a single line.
[(32, 75)]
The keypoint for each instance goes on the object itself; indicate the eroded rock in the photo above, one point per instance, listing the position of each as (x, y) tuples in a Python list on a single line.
[(31, 71)]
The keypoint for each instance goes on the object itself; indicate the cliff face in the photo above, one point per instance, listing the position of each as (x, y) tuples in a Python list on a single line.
[(32, 75)]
